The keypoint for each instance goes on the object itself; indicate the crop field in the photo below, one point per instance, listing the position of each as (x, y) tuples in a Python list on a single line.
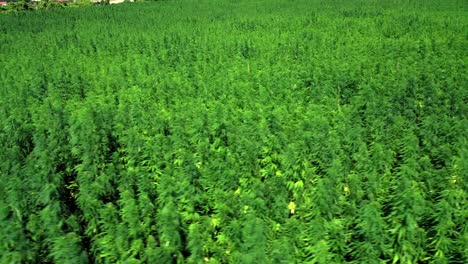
[(280, 131)]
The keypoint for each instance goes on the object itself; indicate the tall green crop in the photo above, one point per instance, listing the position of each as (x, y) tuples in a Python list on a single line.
[(235, 132)]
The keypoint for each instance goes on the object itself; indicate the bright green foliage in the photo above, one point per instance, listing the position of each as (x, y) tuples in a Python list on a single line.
[(235, 132)]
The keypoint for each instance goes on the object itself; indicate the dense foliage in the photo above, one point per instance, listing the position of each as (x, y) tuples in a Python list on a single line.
[(235, 132), (28, 5)]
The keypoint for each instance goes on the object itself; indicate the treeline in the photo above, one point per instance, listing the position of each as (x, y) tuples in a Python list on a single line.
[(29, 5), (235, 132)]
